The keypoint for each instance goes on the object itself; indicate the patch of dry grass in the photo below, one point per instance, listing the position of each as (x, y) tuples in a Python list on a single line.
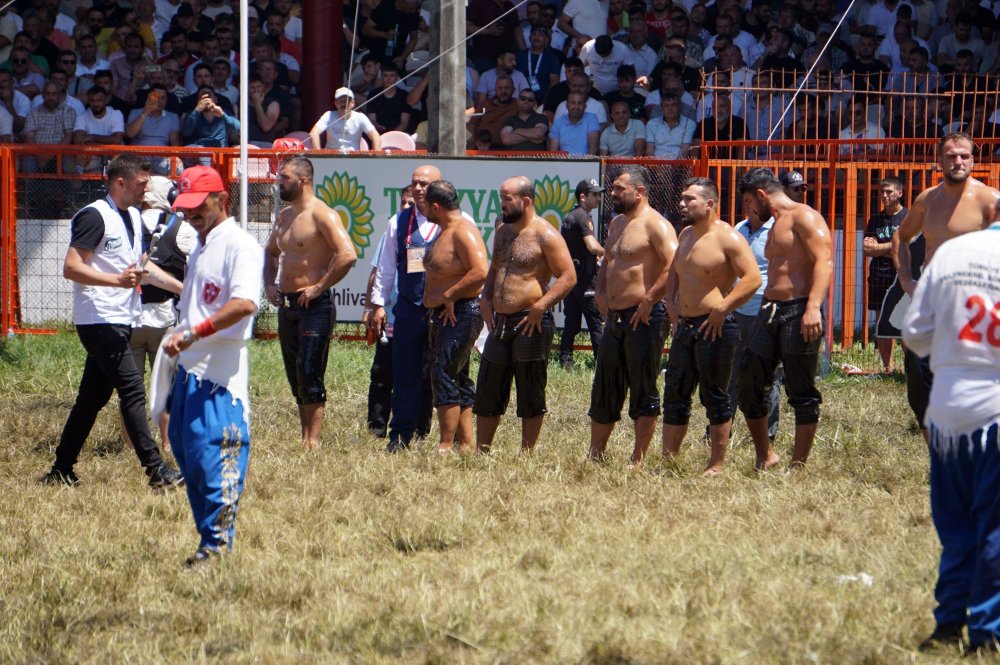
[(347, 555)]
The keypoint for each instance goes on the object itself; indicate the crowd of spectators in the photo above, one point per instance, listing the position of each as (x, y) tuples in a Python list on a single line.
[(612, 77)]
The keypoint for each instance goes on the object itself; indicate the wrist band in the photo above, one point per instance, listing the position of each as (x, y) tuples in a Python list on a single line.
[(205, 328)]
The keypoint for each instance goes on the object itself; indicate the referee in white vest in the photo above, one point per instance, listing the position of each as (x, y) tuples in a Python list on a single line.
[(102, 261)]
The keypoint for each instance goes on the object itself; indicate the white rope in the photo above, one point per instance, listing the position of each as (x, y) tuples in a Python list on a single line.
[(350, 66), (808, 74), (442, 54)]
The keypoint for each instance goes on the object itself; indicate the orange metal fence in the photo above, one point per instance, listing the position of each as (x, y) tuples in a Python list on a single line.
[(842, 187)]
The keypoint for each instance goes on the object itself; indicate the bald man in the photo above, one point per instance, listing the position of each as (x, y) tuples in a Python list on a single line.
[(402, 261)]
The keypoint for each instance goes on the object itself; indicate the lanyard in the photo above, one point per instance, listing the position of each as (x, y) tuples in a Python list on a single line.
[(409, 229), (538, 63)]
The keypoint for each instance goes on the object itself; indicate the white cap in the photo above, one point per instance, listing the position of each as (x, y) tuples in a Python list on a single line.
[(252, 13), (343, 92), (426, 16)]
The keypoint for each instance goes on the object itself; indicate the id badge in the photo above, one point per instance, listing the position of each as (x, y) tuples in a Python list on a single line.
[(415, 259), (533, 82)]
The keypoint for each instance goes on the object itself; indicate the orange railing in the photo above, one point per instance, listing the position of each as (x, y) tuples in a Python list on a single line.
[(843, 187)]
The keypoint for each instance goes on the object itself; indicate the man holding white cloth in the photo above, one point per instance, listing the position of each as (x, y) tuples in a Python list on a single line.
[(209, 401), (955, 318)]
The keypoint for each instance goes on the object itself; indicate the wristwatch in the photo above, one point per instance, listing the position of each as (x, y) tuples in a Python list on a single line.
[(189, 336)]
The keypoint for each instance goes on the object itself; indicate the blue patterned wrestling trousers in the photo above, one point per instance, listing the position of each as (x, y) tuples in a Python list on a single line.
[(965, 505), (211, 443)]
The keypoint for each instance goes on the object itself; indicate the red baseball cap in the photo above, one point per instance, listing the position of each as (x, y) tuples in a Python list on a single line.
[(195, 184)]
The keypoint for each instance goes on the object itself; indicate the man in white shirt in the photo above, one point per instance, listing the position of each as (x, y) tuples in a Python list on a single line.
[(6, 126), (209, 401), (98, 125), (953, 319), (603, 56), (670, 136), (583, 20), (343, 127), (580, 83), (640, 54)]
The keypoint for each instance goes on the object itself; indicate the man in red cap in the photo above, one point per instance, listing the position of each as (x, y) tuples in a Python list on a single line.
[(209, 401)]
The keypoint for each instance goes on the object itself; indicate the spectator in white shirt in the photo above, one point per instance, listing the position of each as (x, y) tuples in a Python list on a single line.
[(641, 55), (583, 20), (13, 101), (89, 63), (343, 127), (961, 38), (603, 56), (59, 78), (6, 126), (670, 136), (98, 125), (860, 127), (580, 83)]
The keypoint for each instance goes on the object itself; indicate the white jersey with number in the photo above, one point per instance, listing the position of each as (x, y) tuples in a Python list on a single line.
[(955, 318)]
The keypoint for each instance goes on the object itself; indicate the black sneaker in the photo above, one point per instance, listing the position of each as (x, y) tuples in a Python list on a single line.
[(201, 557), (945, 636), (566, 362), (59, 477), (165, 477)]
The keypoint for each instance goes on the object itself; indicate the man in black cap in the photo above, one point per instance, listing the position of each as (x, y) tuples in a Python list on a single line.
[(794, 185), (578, 232)]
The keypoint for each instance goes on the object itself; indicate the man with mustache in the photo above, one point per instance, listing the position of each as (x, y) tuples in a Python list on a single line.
[(631, 284), (958, 204), (315, 253), (516, 305)]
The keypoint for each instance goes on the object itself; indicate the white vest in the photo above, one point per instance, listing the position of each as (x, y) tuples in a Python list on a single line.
[(111, 304)]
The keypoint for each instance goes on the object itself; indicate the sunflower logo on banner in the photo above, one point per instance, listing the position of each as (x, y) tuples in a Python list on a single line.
[(553, 199), (346, 195)]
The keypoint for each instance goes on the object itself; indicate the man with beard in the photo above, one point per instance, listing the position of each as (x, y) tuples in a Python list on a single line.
[(456, 267), (630, 287), (315, 253), (402, 263), (516, 304), (789, 327), (702, 295), (958, 204)]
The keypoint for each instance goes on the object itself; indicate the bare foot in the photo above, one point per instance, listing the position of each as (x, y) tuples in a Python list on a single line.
[(713, 470), (634, 466), (310, 445), (771, 461), (466, 448), (445, 449)]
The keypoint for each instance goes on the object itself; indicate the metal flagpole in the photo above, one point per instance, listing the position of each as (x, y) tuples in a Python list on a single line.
[(244, 114)]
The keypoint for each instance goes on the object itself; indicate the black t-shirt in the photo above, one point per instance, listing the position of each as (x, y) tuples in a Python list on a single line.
[(388, 110), (386, 17), (636, 103), (882, 227), (87, 228), (576, 226)]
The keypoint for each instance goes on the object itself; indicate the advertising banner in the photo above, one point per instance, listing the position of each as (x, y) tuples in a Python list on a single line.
[(366, 192)]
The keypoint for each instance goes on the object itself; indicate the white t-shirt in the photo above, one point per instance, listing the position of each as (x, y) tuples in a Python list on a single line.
[(953, 319), (84, 70), (604, 69), (228, 265), (593, 106), (112, 122), (344, 133), (293, 29), (71, 102), (6, 122), (589, 16)]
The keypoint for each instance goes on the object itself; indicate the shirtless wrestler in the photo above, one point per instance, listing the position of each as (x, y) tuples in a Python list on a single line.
[(315, 253), (516, 302), (631, 284), (958, 204), (789, 327), (455, 267), (702, 294)]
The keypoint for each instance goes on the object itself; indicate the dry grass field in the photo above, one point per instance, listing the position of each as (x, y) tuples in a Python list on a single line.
[(347, 555)]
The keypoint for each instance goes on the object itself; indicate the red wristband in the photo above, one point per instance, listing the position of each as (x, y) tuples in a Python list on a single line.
[(205, 328)]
